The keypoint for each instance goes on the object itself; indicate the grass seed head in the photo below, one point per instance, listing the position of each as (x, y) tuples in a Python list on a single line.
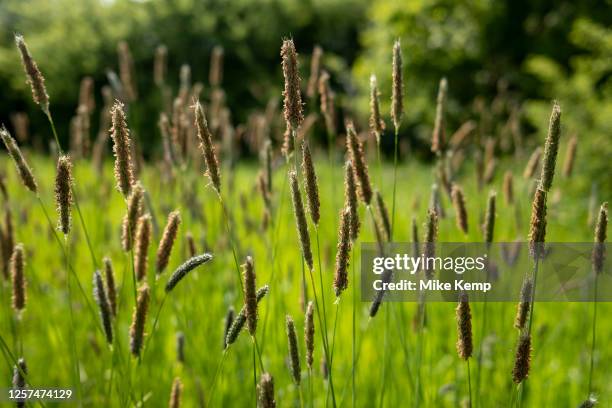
[(33, 74), (17, 266), (350, 199), (430, 238), (383, 215), (229, 320), (524, 305), (134, 211), (601, 232), (185, 268), (294, 353), (551, 148), (240, 320), (111, 289), (20, 371), (533, 163), (489, 224), (464, 327), (139, 318), (327, 100), (141, 250), (522, 359), (438, 138), (167, 241), (315, 69), (160, 66), (377, 124), (460, 208), (300, 219), (508, 188), (124, 168), (342, 254), (207, 146), (397, 94), (265, 391), (570, 156), (292, 96), (180, 347), (215, 75), (63, 192), (537, 227), (25, 173), (103, 305), (175, 394), (311, 186), (127, 71), (250, 296), (309, 332), (360, 167)]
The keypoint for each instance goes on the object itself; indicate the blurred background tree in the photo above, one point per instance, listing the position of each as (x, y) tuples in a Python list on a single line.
[(522, 53)]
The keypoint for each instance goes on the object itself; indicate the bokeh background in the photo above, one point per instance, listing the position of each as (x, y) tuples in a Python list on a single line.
[(502, 59)]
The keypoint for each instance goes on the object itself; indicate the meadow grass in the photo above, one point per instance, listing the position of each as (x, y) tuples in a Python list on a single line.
[(561, 347)]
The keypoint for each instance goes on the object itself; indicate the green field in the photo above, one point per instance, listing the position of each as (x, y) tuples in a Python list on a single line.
[(61, 325)]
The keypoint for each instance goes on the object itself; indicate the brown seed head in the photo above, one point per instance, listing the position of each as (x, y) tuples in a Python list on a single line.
[(522, 360), (350, 199), (63, 192), (430, 238), (537, 228), (599, 250), (175, 394), (124, 170), (551, 148), (141, 247), (104, 306), (18, 278), (134, 211), (309, 333), (139, 318), (383, 216), (460, 208), (310, 184), (126, 71), (160, 65), (489, 225), (328, 107), (377, 124), (191, 247), (216, 66), (86, 95), (20, 371), (508, 187), (315, 69), (524, 305), (300, 219), (34, 76), (250, 296), (532, 164), (292, 97), (265, 390), (25, 173), (397, 102), (208, 148), (570, 156), (464, 327), (294, 353), (438, 138), (167, 241), (435, 202), (111, 289), (342, 254), (360, 167)]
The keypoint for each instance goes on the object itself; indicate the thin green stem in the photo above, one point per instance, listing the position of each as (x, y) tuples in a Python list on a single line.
[(594, 331), (469, 376), (394, 183), (353, 356), (214, 383)]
